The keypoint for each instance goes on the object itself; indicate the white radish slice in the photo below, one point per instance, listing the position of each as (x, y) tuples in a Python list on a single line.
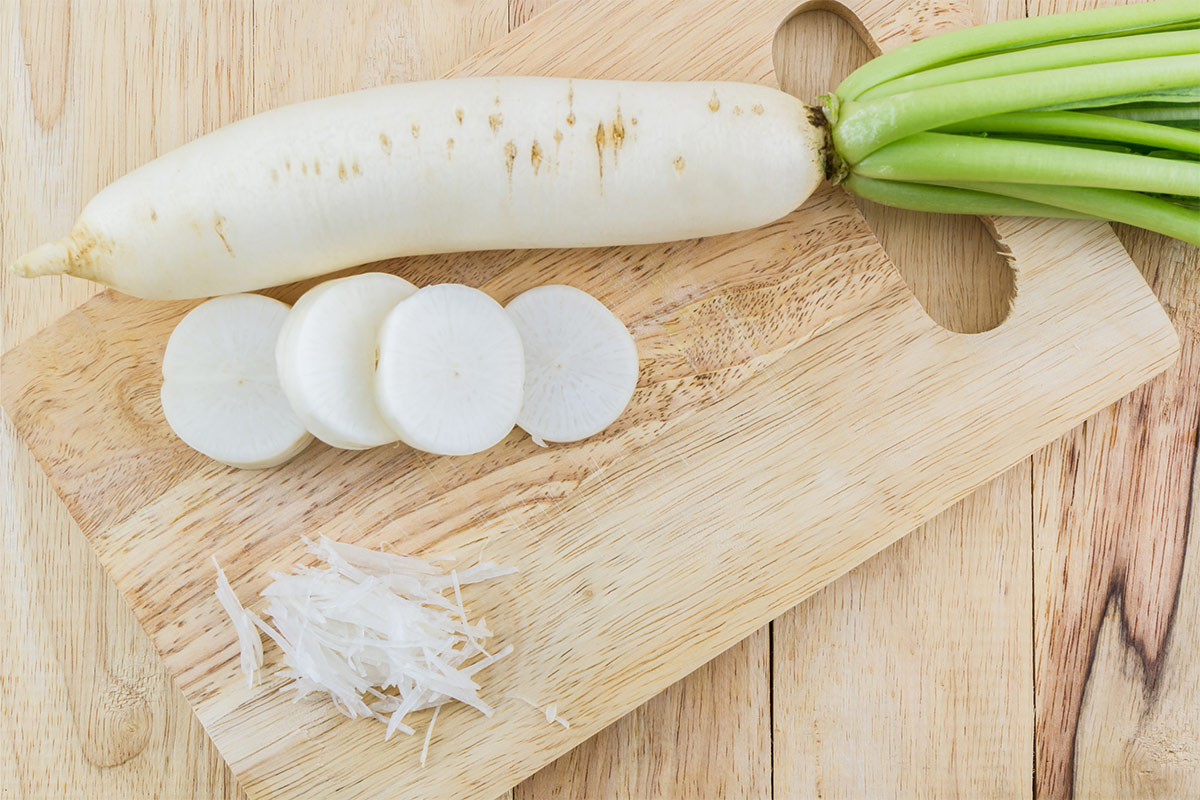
[(220, 391), (451, 370), (326, 355), (581, 364)]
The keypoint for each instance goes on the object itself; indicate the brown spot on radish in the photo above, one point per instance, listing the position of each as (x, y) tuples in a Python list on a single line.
[(303, 167), (557, 136), (571, 118), (495, 121), (449, 147), (316, 167), (385, 143), (535, 156), (510, 157), (287, 164), (618, 133), (679, 163), (458, 115), (714, 103), (274, 178), (341, 171), (601, 140), (737, 111), (416, 131), (355, 168), (633, 120), (757, 108), (219, 227), (153, 215)]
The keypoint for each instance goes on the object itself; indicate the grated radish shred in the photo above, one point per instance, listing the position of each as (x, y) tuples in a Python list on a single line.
[(249, 642), (550, 711), (375, 632)]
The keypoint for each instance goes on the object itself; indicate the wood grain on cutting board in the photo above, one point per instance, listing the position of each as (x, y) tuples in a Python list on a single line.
[(651, 765)]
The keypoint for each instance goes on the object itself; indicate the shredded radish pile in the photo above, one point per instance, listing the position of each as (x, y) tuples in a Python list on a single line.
[(375, 632)]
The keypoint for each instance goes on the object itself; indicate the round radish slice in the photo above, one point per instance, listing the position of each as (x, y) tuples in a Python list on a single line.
[(451, 370), (581, 365), (326, 356), (220, 391)]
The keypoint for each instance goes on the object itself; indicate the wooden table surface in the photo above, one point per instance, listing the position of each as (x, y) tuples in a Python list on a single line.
[(1039, 638)]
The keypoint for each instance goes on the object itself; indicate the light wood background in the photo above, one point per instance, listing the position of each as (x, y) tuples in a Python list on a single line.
[(1037, 637)]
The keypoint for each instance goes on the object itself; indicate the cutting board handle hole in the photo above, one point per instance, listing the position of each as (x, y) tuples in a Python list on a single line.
[(951, 263)]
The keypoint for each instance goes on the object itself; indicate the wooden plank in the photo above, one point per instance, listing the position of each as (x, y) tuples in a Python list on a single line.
[(323, 47), (520, 11), (1112, 535), (88, 708), (1138, 733), (907, 678), (932, 637), (1116, 599), (709, 734), (91, 90)]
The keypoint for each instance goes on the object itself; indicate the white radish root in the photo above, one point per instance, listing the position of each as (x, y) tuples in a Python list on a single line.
[(326, 355), (451, 371), (220, 391), (442, 166), (581, 364)]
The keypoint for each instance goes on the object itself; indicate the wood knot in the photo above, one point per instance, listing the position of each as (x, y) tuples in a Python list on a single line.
[(116, 724)]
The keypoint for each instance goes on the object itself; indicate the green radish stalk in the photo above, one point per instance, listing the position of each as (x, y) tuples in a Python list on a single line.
[(220, 391), (326, 355), (451, 371), (452, 165), (581, 364), (1073, 115)]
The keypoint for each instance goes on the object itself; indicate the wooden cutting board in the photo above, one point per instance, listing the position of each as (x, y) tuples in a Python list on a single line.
[(797, 412)]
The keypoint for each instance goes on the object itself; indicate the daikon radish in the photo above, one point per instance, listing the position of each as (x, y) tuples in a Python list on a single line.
[(451, 371), (220, 391), (464, 164), (326, 355), (581, 364)]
